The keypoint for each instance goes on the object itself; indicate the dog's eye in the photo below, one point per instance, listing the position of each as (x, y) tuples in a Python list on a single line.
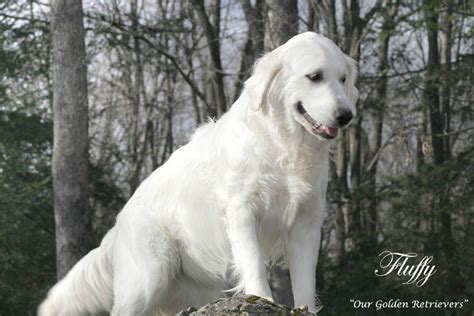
[(343, 79), (316, 77)]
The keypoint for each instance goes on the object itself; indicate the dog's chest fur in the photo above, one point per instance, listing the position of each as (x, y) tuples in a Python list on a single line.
[(279, 193), (284, 195)]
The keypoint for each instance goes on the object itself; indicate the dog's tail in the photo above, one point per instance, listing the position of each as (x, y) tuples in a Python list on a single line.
[(87, 288)]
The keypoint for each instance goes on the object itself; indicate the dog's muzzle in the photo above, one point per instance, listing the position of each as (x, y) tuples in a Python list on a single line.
[(319, 129)]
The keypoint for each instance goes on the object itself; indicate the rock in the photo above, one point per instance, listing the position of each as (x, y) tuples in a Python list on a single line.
[(249, 305), (187, 312)]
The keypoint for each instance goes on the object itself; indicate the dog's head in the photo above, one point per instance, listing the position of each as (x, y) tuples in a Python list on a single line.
[(311, 81)]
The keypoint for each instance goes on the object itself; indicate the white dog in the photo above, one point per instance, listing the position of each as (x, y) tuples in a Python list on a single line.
[(243, 192)]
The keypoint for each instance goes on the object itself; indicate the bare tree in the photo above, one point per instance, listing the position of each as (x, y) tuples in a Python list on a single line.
[(281, 22), (254, 45), (211, 29), (137, 144), (431, 101), (328, 14), (347, 164), (70, 155), (281, 25), (256, 25), (431, 92), (377, 106), (445, 59)]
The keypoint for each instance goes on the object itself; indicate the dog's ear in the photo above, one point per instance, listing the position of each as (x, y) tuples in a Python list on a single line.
[(264, 71), (352, 92)]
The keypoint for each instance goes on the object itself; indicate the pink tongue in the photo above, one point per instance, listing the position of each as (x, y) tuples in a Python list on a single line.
[(331, 131)]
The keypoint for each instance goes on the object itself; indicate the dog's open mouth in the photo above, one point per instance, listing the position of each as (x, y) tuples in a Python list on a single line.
[(322, 130)]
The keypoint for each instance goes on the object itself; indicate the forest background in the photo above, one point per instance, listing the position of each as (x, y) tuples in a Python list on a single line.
[(402, 175)]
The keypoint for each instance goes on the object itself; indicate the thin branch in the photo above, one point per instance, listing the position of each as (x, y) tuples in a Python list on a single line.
[(173, 59), (376, 157), (22, 18)]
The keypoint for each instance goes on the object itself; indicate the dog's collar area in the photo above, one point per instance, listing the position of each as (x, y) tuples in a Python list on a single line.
[(322, 130)]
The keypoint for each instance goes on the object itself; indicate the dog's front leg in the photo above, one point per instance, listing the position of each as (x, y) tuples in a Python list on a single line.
[(303, 248), (242, 231)]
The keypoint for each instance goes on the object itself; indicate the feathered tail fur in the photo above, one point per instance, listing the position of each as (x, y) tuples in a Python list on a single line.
[(87, 288)]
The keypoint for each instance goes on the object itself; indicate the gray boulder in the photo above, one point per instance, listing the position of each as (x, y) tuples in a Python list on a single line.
[(244, 305)]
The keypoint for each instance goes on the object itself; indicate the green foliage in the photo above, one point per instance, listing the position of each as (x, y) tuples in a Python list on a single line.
[(27, 234), (27, 254), (27, 242), (414, 208), (26, 220), (106, 201)]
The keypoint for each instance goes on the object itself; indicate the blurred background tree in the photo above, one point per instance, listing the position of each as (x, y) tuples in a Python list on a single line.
[(402, 176)]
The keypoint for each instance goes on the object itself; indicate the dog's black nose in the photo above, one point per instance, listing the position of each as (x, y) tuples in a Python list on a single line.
[(343, 117)]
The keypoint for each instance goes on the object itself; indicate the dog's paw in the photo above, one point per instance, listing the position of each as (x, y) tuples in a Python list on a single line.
[(303, 308)]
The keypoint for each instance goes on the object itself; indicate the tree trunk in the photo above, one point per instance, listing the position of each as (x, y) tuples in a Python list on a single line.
[(281, 22), (348, 153), (445, 89), (211, 31), (339, 164), (281, 25), (332, 22), (255, 17), (445, 92), (313, 19), (349, 148), (135, 167), (377, 106), (354, 25), (70, 154), (431, 91), (354, 212), (246, 61), (431, 100), (254, 45)]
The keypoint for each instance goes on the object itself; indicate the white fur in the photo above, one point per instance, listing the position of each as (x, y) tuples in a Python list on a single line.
[(246, 190)]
